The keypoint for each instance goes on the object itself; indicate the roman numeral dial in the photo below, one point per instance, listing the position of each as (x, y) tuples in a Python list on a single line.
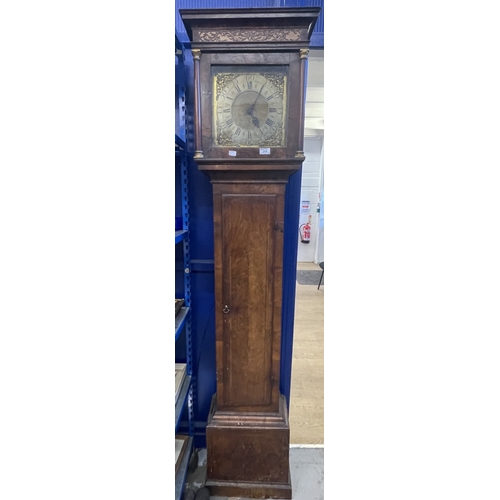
[(249, 107)]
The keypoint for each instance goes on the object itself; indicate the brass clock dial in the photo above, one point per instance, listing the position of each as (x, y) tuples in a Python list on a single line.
[(249, 107)]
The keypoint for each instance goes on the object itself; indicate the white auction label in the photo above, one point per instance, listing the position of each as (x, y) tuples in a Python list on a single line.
[(265, 151), (232, 153)]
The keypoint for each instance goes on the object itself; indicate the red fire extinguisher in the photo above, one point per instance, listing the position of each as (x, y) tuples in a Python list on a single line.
[(305, 231)]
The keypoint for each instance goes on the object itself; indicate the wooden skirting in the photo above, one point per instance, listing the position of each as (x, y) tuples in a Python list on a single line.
[(249, 457)]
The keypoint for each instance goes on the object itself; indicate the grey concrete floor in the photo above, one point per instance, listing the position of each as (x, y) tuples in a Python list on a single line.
[(306, 468)]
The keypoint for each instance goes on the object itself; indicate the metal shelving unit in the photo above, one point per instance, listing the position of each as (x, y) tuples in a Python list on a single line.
[(180, 235), (180, 321), (180, 477), (185, 400), (181, 401)]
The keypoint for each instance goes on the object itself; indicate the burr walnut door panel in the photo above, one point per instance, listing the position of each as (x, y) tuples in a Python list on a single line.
[(250, 306)]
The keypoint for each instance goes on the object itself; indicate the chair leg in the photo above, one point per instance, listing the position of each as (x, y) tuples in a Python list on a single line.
[(323, 272)]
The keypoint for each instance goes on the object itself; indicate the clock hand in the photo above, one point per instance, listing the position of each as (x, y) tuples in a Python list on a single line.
[(250, 109), (255, 121)]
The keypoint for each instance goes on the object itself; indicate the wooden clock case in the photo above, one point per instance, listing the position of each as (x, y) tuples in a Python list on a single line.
[(248, 434)]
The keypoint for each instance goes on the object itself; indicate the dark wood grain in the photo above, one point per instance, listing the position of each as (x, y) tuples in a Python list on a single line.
[(248, 292), (249, 456), (248, 225)]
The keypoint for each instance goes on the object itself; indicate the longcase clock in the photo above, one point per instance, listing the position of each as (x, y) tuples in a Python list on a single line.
[(249, 70)]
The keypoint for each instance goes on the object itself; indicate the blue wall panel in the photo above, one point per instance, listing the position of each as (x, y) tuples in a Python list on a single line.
[(292, 208)]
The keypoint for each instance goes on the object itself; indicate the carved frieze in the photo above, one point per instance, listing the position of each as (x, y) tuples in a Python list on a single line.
[(250, 35)]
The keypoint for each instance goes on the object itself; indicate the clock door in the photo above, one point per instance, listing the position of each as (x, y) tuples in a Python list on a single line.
[(249, 245)]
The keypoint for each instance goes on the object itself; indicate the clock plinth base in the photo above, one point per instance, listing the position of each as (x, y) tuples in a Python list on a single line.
[(248, 453), (249, 490)]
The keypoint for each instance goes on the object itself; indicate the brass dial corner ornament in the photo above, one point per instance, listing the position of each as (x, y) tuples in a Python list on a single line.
[(249, 107)]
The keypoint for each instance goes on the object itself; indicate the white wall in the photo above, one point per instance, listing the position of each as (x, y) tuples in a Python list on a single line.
[(310, 199), (312, 168)]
